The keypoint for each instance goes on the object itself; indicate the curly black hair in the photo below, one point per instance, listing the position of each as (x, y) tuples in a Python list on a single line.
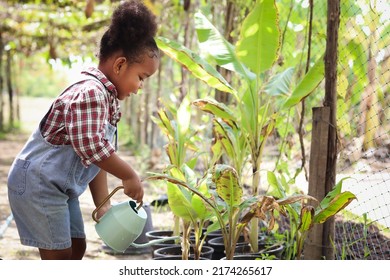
[(131, 31)]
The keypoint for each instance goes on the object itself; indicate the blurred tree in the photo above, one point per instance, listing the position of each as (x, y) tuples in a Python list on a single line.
[(56, 30)]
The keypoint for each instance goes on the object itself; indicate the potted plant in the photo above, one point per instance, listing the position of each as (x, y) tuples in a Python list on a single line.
[(183, 154), (189, 194), (220, 192), (245, 127), (302, 217), (205, 253)]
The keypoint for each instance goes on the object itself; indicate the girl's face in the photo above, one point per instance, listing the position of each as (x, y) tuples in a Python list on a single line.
[(130, 78)]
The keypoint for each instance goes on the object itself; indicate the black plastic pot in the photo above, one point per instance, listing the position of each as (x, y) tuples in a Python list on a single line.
[(159, 234), (213, 234), (177, 258), (206, 252), (219, 247), (275, 250), (246, 257)]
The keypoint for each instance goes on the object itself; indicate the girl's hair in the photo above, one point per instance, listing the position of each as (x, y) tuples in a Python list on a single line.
[(132, 30)]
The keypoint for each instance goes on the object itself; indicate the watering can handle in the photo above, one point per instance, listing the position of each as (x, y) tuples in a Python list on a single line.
[(105, 200)]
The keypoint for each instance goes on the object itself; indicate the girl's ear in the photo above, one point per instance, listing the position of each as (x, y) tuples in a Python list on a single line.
[(118, 63)]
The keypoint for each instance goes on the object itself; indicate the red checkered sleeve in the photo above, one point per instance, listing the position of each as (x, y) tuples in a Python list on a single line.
[(85, 120)]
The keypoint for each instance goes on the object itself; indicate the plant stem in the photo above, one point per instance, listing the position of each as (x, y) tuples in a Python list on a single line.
[(186, 237)]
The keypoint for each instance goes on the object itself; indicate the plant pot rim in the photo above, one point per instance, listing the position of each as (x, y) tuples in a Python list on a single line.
[(179, 258), (248, 257), (206, 250), (156, 233), (274, 250), (219, 240)]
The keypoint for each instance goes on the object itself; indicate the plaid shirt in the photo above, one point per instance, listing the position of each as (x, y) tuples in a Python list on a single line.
[(79, 115)]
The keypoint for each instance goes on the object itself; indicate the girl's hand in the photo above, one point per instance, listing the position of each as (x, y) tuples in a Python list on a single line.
[(103, 210), (133, 188), (122, 170)]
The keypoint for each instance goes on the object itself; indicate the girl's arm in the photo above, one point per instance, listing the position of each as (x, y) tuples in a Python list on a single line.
[(122, 170)]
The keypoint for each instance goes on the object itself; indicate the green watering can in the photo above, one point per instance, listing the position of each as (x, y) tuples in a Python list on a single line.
[(122, 224)]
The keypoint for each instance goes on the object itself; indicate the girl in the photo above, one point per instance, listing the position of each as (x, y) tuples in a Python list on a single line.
[(73, 144)]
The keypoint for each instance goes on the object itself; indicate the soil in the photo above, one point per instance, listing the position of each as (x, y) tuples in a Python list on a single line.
[(354, 241), (365, 242)]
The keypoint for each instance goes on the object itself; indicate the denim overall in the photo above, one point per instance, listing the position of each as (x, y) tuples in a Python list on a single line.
[(44, 184)]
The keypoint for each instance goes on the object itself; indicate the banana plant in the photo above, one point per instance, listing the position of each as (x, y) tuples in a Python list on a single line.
[(188, 206), (242, 131), (182, 153), (303, 217), (257, 50), (219, 193)]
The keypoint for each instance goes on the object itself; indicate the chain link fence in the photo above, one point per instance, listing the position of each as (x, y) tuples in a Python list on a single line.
[(363, 114)]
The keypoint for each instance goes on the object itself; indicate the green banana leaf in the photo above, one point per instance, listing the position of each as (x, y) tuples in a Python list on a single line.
[(184, 118), (194, 63), (249, 109), (339, 202), (259, 40), (198, 204), (332, 194), (179, 203), (172, 153), (277, 188), (218, 47), (218, 109), (306, 218), (227, 184), (164, 123), (225, 137), (280, 83), (185, 199), (308, 84), (217, 150)]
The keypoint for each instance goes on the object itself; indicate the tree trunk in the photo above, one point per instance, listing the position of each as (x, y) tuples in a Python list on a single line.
[(154, 131), (146, 115), (317, 178), (322, 180), (331, 56), (1, 85), (187, 42), (140, 111), (10, 89)]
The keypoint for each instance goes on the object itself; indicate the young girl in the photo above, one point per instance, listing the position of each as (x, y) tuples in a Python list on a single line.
[(73, 144)]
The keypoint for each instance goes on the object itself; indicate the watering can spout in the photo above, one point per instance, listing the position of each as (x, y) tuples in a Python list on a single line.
[(156, 241)]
